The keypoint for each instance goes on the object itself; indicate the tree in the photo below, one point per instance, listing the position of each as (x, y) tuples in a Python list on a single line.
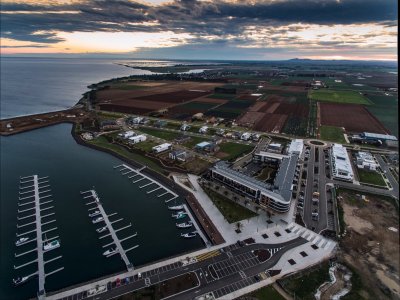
[(239, 226)]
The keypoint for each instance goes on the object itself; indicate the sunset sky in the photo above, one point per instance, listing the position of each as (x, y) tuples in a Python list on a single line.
[(190, 29)]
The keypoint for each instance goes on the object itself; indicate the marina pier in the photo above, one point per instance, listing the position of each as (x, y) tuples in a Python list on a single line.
[(36, 190), (109, 225)]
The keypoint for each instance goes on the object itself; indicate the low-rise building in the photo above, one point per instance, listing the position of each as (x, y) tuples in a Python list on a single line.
[(203, 129), (296, 147), (127, 134), (179, 155), (245, 136), (340, 162), (274, 147), (366, 160), (206, 147), (109, 125), (137, 139), (161, 148)]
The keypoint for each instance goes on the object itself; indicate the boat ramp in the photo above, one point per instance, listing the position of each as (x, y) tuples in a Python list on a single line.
[(97, 211), (34, 212)]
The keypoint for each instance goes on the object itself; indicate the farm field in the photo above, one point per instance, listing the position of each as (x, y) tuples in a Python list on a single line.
[(353, 117), (332, 134), (338, 96)]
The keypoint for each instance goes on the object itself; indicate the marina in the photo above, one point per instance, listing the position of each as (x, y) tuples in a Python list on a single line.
[(125, 170), (117, 249), (35, 189)]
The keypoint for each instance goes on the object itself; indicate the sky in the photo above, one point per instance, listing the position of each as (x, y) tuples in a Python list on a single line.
[(202, 29)]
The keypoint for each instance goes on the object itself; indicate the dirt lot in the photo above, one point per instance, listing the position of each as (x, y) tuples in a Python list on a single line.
[(353, 117), (369, 246), (271, 122)]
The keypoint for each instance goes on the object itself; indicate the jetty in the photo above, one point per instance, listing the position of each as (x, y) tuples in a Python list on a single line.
[(110, 227), (36, 188)]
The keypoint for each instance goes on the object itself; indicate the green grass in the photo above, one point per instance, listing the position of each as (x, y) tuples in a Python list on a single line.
[(166, 135), (371, 177), (232, 211), (266, 293), (234, 150), (338, 96), (194, 140), (222, 96), (146, 146), (103, 143), (305, 286), (198, 105), (332, 134)]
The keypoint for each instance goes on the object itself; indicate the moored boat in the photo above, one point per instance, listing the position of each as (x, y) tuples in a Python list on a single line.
[(101, 229), (47, 246), (97, 220), (21, 241), (20, 280), (189, 234), (110, 251), (176, 207), (184, 225), (95, 213)]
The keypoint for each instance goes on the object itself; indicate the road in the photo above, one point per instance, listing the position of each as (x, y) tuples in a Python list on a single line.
[(235, 265), (389, 175)]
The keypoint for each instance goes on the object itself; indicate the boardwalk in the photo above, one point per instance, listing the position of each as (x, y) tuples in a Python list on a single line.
[(199, 232)]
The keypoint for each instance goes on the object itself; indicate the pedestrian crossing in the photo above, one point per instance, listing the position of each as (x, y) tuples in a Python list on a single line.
[(315, 238)]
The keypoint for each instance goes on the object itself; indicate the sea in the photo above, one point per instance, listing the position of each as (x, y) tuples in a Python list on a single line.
[(31, 85)]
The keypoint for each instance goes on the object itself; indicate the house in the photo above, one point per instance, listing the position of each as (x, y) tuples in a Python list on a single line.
[(137, 139), (179, 155), (245, 136), (203, 129), (183, 138), (160, 123), (127, 134), (134, 120), (206, 147), (109, 125), (185, 127), (161, 148)]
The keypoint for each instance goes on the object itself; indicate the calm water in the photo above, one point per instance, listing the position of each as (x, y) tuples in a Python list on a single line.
[(37, 85), (72, 168)]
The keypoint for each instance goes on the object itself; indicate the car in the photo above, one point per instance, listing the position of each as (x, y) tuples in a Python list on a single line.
[(256, 277)]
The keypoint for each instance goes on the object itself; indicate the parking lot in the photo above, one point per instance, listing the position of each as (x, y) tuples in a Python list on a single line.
[(233, 265), (234, 286)]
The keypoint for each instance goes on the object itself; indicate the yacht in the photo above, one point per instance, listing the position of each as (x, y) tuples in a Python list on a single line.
[(47, 246), (188, 235), (97, 220), (177, 207), (95, 213), (20, 280), (21, 241), (101, 229), (184, 225), (110, 251), (180, 214)]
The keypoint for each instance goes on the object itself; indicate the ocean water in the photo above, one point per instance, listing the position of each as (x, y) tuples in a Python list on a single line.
[(72, 168), (37, 85)]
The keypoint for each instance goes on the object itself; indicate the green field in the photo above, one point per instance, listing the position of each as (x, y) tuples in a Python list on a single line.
[(265, 293), (332, 134), (338, 96), (232, 211), (222, 96), (371, 177), (305, 285), (166, 135), (198, 105), (234, 150)]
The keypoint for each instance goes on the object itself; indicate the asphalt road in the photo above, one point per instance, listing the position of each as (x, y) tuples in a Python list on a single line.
[(233, 269)]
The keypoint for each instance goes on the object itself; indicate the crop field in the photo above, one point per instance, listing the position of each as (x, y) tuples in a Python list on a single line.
[(332, 134), (222, 96), (230, 110), (271, 122), (338, 96), (174, 97), (353, 117), (187, 110)]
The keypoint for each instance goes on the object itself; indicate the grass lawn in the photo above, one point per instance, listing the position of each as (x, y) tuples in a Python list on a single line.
[(266, 293), (370, 177), (146, 145), (166, 135), (305, 286), (232, 211), (234, 150), (332, 133), (103, 143), (194, 140), (338, 96)]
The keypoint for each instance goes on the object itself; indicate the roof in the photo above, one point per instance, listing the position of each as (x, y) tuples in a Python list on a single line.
[(341, 159), (379, 136), (265, 188), (271, 155), (285, 175), (296, 146), (203, 144)]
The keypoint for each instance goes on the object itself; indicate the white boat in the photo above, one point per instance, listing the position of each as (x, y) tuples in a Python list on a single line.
[(189, 235), (101, 229), (47, 246), (21, 241), (20, 280), (110, 251), (184, 225), (179, 214), (95, 213), (97, 220), (177, 207)]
